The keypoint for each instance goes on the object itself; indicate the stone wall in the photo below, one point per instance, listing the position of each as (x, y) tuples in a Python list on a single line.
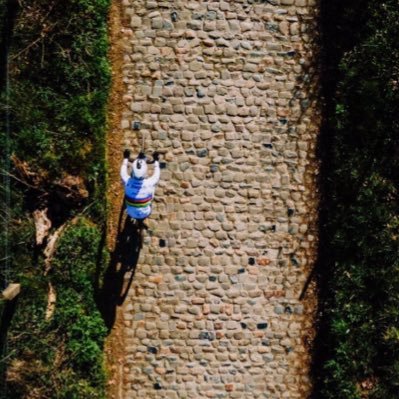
[(224, 90)]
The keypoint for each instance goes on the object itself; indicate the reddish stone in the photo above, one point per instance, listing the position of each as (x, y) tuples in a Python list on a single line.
[(219, 334), (160, 370), (263, 261), (156, 279), (228, 309), (229, 387), (184, 184), (275, 294)]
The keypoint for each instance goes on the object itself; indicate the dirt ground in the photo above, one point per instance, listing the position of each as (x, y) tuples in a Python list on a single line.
[(115, 342)]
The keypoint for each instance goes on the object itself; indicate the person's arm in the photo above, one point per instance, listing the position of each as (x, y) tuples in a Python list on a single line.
[(124, 172), (154, 179)]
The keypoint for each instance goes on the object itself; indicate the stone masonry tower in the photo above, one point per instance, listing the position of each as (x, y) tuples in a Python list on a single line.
[(225, 91)]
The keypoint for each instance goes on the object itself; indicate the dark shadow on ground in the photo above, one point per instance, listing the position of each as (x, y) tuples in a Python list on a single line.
[(119, 275)]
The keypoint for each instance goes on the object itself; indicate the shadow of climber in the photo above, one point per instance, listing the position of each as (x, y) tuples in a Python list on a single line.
[(123, 260)]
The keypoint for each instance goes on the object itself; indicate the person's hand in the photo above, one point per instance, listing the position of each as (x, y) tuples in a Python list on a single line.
[(155, 156), (141, 155), (126, 154)]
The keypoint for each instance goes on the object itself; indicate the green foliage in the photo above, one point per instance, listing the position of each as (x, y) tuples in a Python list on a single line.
[(66, 351), (74, 270), (360, 279), (59, 81)]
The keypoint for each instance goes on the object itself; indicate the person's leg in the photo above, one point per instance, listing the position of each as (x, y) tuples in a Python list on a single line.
[(141, 224)]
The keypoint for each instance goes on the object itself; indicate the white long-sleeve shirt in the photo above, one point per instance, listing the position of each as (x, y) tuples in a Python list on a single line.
[(139, 192)]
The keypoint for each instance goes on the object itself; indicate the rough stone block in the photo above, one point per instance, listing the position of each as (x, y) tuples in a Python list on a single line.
[(157, 23), (135, 21)]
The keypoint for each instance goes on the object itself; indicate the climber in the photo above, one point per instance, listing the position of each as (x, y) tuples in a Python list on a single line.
[(139, 189)]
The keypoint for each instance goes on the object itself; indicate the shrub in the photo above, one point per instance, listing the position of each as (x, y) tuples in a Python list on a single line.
[(59, 80), (56, 354), (359, 279)]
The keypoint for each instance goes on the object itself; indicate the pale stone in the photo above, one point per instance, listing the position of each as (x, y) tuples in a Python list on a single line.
[(135, 21)]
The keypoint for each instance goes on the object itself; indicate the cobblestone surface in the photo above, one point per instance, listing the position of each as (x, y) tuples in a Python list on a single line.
[(224, 90)]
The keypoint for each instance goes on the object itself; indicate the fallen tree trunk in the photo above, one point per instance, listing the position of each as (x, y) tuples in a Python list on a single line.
[(42, 225), (51, 247), (51, 300)]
